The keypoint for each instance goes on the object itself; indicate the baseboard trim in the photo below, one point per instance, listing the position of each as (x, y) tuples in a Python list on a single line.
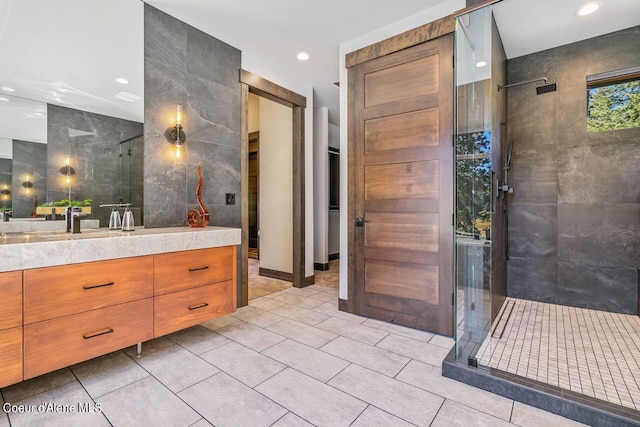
[(320, 267), (308, 281), (275, 274), (333, 257), (343, 305)]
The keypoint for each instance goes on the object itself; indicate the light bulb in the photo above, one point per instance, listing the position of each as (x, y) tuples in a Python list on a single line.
[(68, 180), (178, 115), (178, 151), (67, 160)]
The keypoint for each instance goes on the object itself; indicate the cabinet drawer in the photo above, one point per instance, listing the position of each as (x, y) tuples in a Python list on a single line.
[(54, 344), (177, 271), (10, 356), (182, 309), (11, 297), (69, 289)]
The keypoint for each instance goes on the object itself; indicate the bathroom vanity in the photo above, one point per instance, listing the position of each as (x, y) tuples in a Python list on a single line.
[(69, 298)]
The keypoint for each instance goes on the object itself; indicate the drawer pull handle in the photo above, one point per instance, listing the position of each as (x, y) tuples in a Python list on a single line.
[(195, 307), (104, 285), (206, 267), (97, 334)]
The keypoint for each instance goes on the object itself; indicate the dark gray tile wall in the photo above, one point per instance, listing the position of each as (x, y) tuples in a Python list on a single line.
[(5, 182), (29, 159), (574, 218), (185, 66), (94, 157)]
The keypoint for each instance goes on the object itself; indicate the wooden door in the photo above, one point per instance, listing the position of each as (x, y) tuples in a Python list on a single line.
[(401, 206)]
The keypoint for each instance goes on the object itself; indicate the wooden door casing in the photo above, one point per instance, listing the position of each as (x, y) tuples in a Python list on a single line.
[(401, 165)]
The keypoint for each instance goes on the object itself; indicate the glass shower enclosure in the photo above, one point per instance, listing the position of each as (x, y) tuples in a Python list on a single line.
[(480, 227)]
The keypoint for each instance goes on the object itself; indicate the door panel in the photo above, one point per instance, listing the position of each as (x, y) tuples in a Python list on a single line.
[(402, 155)]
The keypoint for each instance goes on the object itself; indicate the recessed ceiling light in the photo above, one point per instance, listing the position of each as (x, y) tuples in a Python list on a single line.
[(7, 89), (481, 64), (303, 56), (122, 81), (588, 9), (2, 98), (126, 96)]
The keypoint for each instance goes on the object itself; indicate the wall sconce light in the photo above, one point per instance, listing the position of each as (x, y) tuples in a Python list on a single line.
[(28, 184), (5, 191), (67, 171), (175, 134)]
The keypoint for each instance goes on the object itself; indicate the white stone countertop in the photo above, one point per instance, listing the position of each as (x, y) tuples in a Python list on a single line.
[(21, 251)]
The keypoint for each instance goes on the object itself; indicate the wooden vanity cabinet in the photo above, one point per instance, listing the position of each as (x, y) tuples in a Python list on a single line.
[(191, 287), (10, 328), (76, 312)]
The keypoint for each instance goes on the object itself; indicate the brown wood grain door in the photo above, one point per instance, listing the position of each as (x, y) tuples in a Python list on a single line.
[(401, 131)]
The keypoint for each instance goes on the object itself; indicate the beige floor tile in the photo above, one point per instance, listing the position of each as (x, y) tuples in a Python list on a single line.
[(172, 365), (26, 389), (198, 339), (374, 417), (243, 364), (202, 423), (256, 316), (250, 335), (400, 330), (297, 300), (302, 333), (455, 414), (308, 360), (224, 401), (291, 420), (313, 400), (69, 395), (326, 297), (220, 322), (442, 341), (424, 352), (352, 330), (108, 373), (146, 403), (331, 309), (303, 292), (4, 418), (367, 356), (265, 303), (528, 416), (301, 315), (395, 397), (429, 378)]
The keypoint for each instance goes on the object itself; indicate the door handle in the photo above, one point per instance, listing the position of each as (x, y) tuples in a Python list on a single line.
[(360, 222)]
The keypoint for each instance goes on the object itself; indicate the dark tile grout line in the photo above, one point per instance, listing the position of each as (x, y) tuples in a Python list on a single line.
[(437, 412), (90, 397), (360, 414)]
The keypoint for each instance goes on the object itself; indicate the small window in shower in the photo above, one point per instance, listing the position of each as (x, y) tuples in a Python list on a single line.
[(613, 100)]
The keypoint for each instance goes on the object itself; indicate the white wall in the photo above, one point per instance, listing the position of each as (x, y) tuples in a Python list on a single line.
[(426, 16), (321, 184), (253, 116), (276, 186)]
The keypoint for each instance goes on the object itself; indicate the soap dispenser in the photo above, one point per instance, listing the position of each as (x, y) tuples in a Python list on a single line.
[(127, 219)]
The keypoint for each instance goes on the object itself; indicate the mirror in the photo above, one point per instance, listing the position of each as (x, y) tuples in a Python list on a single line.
[(71, 106)]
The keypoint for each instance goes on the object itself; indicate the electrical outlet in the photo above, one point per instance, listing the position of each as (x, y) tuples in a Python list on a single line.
[(231, 198)]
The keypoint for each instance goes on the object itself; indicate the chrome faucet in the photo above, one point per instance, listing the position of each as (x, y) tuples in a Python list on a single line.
[(6, 213)]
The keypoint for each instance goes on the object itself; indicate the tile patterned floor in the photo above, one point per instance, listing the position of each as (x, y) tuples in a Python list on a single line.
[(592, 352), (288, 359)]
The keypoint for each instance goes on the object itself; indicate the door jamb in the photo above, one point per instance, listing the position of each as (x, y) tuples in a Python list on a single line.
[(252, 83)]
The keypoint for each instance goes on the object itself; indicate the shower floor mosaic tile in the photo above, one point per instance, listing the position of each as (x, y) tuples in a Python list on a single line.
[(591, 352)]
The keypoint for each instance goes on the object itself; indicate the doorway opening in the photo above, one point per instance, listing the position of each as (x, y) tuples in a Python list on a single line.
[(279, 186)]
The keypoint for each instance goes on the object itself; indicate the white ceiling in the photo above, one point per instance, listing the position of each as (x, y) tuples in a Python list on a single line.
[(531, 26)]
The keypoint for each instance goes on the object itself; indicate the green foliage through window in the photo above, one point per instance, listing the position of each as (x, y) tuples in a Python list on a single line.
[(614, 106), (473, 181)]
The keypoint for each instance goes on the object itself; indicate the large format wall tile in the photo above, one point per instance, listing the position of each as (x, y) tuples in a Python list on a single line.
[(533, 231), (574, 216), (599, 235), (188, 67)]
